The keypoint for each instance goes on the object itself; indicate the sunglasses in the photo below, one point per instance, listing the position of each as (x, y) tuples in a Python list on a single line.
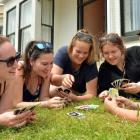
[(11, 60), (43, 45), (84, 36)]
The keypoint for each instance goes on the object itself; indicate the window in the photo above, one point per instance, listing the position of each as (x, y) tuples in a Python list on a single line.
[(92, 16), (130, 14), (11, 25), (25, 23), (47, 13), (0, 30)]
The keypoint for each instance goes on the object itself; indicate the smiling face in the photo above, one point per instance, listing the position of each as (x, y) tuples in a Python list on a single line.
[(80, 52), (112, 54), (7, 51), (42, 66)]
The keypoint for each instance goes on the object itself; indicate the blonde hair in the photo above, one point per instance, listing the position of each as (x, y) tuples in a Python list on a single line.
[(83, 35)]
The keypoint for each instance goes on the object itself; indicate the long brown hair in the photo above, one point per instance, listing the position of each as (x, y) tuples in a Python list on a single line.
[(112, 38), (33, 53)]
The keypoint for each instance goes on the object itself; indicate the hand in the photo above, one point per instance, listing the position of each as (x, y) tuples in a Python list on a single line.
[(122, 101), (68, 80), (132, 88), (110, 104), (20, 68), (55, 102), (10, 120), (103, 94), (32, 117), (62, 92)]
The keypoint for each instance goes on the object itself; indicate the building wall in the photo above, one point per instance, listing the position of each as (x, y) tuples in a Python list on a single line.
[(65, 22), (114, 20), (9, 5)]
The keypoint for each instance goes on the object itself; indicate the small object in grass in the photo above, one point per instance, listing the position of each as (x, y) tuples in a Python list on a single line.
[(87, 107), (76, 114), (113, 92)]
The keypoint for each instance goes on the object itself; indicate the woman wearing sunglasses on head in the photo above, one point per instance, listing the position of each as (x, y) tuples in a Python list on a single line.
[(8, 65), (74, 67), (34, 76)]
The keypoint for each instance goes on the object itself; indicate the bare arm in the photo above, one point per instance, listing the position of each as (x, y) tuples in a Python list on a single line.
[(44, 94), (56, 77), (127, 114), (112, 107), (91, 91)]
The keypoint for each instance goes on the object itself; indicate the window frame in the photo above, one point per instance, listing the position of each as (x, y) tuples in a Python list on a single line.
[(128, 36), (47, 25), (80, 12), (20, 30), (13, 33)]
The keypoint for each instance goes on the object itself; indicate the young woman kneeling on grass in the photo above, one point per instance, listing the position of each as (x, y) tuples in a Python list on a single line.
[(8, 65), (74, 67), (34, 76)]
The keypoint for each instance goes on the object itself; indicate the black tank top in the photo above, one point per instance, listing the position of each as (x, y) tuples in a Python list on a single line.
[(28, 97)]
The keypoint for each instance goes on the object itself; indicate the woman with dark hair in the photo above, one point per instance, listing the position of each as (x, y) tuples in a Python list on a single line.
[(8, 65), (120, 63), (35, 75), (74, 67)]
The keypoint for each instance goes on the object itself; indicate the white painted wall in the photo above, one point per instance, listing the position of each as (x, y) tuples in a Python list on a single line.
[(114, 20), (113, 16), (9, 5), (65, 22)]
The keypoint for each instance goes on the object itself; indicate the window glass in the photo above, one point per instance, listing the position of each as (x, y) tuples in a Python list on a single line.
[(131, 15), (25, 14)]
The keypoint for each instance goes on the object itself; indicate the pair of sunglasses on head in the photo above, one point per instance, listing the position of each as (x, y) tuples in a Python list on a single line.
[(84, 36), (40, 45), (11, 60)]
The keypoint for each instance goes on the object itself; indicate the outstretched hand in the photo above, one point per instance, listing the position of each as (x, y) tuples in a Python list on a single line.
[(132, 88), (8, 119), (68, 80), (55, 102)]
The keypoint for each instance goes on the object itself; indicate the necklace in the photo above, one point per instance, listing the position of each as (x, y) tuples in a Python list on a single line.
[(123, 75)]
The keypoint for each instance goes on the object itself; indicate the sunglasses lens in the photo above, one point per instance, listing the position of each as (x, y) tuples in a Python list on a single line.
[(10, 62), (40, 46), (44, 45)]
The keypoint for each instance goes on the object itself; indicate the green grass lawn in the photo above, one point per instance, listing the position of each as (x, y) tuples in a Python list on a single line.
[(57, 125)]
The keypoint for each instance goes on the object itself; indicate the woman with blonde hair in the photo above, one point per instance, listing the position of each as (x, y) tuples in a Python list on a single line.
[(74, 67)]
